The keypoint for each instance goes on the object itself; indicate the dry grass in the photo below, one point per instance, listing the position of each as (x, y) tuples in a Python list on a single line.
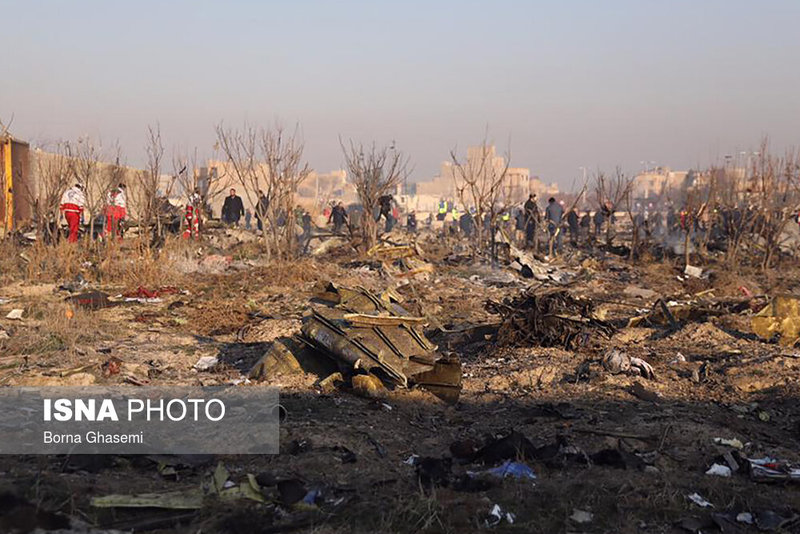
[(49, 264), (219, 317), (128, 264), (55, 331), (295, 273), (10, 262), (137, 266)]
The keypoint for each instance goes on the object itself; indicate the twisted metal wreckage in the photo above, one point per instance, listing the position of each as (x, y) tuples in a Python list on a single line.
[(365, 333)]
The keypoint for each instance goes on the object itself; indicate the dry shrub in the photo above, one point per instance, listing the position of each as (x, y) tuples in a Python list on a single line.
[(126, 263), (53, 263), (658, 270), (295, 273), (134, 266), (219, 317), (11, 265), (247, 251)]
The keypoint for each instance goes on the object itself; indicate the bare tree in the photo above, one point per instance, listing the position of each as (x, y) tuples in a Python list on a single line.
[(480, 179), (53, 178), (737, 217), (145, 195), (375, 171), (188, 178), (4, 127), (186, 172), (268, 163), (776, 193), (84, 156), (612, 192), (696, 205)]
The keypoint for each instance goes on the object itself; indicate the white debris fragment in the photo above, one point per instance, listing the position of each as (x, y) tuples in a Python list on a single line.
[(581, 516), (496, 516), (411, 460), (206, 362), (719, 470), (734, 442), (691, 270), (679, 358), (699, 501), (15, 314)]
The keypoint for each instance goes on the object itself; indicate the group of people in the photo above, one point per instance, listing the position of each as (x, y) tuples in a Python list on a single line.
[(338, 216), (73, 206), (556, 221), (527, 223), (528, 220)]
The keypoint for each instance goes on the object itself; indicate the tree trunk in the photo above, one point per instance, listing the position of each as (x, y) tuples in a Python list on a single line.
[(686, 248), (369, 229)]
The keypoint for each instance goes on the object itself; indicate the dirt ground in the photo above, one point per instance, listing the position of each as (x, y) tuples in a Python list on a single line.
[(614, 453)]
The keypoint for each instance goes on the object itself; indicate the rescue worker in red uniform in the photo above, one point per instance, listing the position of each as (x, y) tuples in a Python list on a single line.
[(72, 203), (192, 215), (116, 210)]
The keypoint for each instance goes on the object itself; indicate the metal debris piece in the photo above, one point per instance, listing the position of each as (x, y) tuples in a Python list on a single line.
[(363, 319), (695, 272), (773, 469), (92, 300), (190, 499), (401, 261), (781, 317), (672, 314), (529, 267), (375, 334), (15, 314)]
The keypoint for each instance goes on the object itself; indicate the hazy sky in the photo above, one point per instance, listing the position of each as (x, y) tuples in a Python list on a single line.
[(569, 83)]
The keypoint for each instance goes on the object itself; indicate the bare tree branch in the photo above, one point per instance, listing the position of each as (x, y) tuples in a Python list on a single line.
[(375, 172)]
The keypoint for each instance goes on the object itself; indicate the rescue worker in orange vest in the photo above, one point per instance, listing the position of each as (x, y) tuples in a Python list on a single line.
[(72, 203)]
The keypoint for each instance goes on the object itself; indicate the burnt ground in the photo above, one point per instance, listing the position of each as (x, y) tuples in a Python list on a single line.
[(714, 379)]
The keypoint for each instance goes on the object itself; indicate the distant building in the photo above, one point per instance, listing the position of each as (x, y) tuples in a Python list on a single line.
[(217, 177), (322, 188), (518, 181), (51, 171), (652, 184)]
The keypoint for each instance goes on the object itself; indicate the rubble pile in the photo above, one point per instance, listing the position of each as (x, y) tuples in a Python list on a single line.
[(674, 313), (547, 318), (401, 261)]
